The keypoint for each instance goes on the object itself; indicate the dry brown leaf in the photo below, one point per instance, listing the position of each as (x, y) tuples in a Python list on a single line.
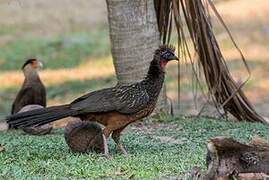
[(120, 172), (2, 149), (222, 87)]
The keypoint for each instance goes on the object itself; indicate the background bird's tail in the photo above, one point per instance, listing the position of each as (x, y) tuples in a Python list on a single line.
[(40, 116)]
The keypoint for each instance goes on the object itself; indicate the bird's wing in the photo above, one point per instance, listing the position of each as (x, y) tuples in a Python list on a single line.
[(34, 94), (42, 97), (124, 99), (23, 98)]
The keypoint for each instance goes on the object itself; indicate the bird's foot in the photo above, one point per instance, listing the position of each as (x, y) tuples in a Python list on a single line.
[(107, 156), (122, 150)]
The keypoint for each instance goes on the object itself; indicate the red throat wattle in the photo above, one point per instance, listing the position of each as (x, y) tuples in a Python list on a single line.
[(163, 63)]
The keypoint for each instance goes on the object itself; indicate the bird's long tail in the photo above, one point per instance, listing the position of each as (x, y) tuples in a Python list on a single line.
[(40, 116)]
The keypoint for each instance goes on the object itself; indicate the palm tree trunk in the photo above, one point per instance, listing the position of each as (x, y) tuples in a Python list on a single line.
[(134, 36)]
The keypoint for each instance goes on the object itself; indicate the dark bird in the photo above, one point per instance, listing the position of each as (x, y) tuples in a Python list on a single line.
[(32, 91), (114, 107)]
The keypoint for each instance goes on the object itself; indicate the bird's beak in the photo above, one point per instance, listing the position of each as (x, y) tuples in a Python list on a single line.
[(173, 57), (40, 64)]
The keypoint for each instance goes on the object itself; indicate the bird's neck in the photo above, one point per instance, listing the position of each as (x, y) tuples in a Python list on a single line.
[(154, 80), (31, 76)]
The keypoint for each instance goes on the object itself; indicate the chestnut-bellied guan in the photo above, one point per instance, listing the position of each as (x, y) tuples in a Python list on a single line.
[(114, 107)]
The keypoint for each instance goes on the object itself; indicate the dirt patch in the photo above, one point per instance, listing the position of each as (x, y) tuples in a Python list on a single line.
[(168, 139), (150, 127)]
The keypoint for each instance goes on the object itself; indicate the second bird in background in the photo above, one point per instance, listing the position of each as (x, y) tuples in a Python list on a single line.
[(32, 95), (33, 90)]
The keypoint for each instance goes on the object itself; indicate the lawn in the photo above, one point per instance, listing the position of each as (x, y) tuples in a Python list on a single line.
[(156, 150)]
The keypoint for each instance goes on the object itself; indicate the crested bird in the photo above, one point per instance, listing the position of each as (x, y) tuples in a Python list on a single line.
[(33, 90)]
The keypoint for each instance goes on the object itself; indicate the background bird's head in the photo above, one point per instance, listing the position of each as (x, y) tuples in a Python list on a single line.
[(32, 64), (164, 54), (30, 68)]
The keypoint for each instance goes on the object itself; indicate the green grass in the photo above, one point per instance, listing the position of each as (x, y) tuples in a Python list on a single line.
[(65, 51), (57, 52), (48, 157), (8, 30)]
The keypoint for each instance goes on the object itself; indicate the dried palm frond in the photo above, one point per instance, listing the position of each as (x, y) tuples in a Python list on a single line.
[(222, 88)]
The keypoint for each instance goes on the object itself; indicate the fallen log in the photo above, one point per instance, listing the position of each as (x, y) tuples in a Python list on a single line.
[(228, 159)]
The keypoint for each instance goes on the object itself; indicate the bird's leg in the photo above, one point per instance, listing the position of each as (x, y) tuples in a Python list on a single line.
[(106, 133), (105, 145), (116, 138)]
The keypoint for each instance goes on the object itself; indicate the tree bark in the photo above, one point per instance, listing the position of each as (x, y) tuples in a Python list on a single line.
[(134, 38)]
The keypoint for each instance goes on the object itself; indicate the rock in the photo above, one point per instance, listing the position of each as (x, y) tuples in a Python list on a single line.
[(36, 130), (30, 107), (3, 126), (84, 136)]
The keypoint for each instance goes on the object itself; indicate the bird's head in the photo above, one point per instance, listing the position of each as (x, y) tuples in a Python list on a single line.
[(32, 64), (164, 54)]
